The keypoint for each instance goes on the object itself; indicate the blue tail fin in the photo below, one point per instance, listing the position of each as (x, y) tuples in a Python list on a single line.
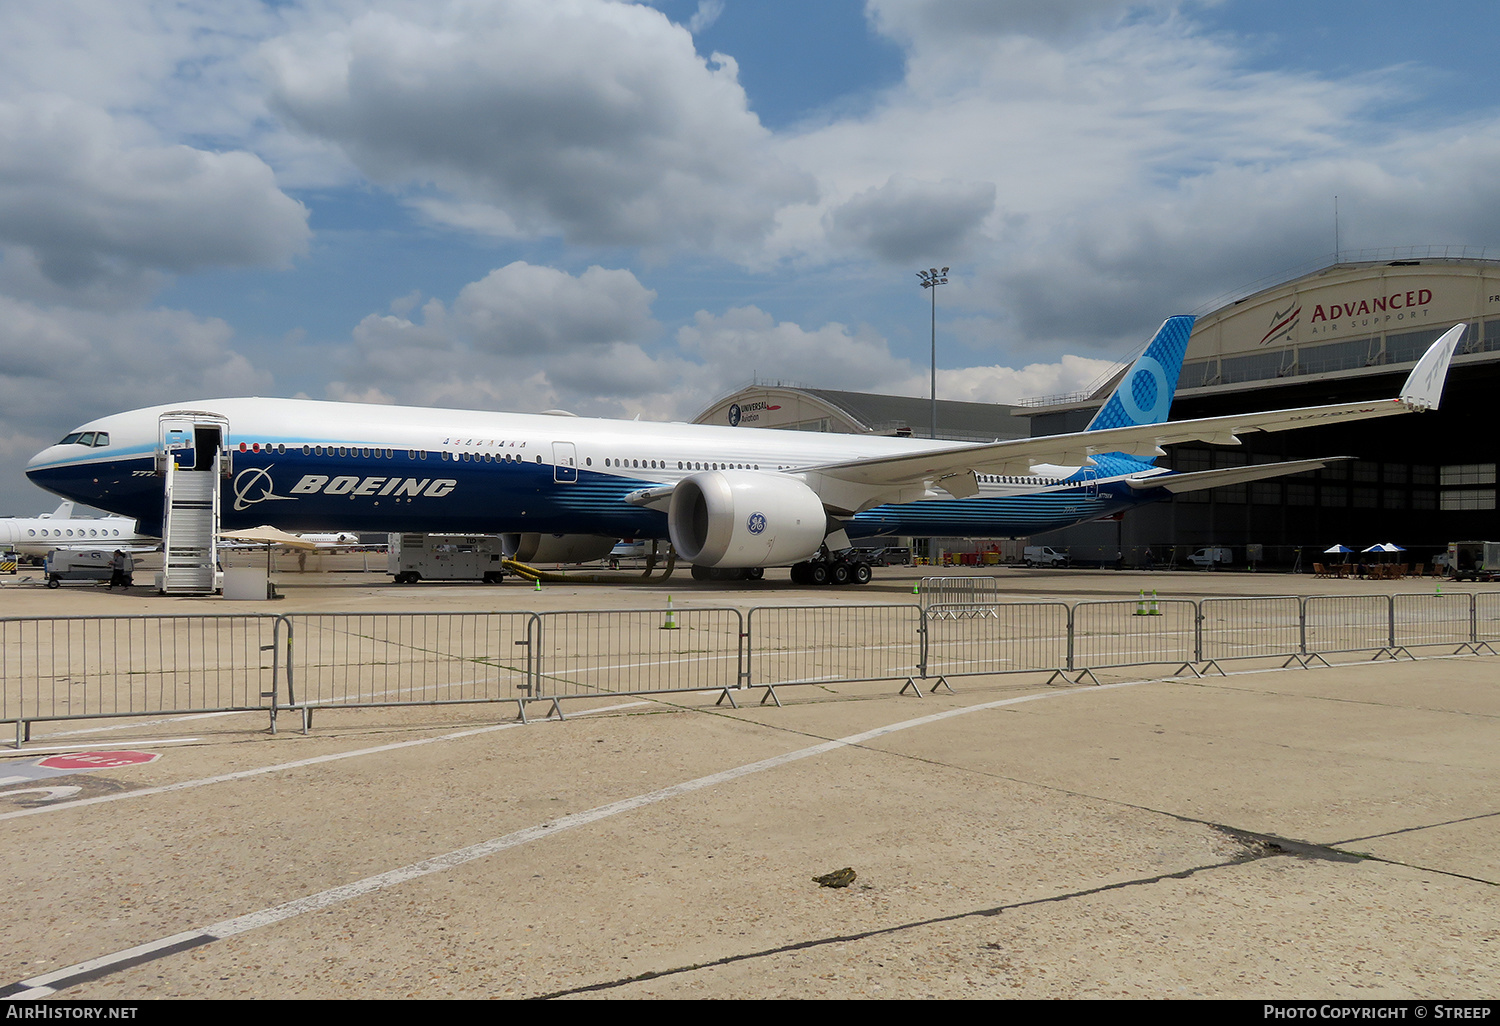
[(1144, 395)]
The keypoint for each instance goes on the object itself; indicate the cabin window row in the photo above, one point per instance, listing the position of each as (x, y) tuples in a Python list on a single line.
[(1013, 479), (365, 451), (681, 465), (52, 532), (485, 457)]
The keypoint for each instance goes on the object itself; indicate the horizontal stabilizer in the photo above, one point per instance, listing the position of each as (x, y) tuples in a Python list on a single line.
[(1200, 479)]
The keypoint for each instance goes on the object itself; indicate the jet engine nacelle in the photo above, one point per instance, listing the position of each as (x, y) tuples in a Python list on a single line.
[(737, 518), (555, 548)]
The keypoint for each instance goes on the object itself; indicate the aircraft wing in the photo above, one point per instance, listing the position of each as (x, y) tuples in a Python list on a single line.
[(1200, 479), (1019, 455), (1422, 390)]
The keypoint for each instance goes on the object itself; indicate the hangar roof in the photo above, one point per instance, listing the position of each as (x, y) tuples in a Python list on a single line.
[(826, 409), (1347, 320)]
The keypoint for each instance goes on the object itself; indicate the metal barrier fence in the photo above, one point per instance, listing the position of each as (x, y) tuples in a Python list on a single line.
[(368, 659), (55, 668), (1347, 623), (637, 652), (1113, 633), (76, 667), (959, 597), (1244, 628), (1486, 617), (1419, 620), (822, 644), (1009, 638)]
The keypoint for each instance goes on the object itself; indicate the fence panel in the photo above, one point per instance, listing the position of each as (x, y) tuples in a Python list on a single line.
[(812, 644), (1243, 628), (1486, 616), (76, 666), (355, 659), (1433, 619), (1010, 637), (1128, 633), (959, 596), (637, 651), (1347, 623)]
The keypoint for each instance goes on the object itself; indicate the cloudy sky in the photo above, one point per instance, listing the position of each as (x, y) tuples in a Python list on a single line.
[(622, 208)]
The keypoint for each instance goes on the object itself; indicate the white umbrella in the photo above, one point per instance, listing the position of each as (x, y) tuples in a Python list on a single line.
[(1337, 550), (270, 537)]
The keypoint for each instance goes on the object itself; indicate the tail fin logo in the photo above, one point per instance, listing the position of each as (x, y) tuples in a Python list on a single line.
[(1144, 395), (1149, 397)]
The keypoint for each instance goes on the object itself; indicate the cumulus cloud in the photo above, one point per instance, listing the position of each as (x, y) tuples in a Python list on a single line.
[(524, 308), (930, 21), (998, 384), (906, 219), (60, 367), (1138, 167), (707, 13), (747, 340), (589, 118), (85, 203), (442, 356), (518, 338)]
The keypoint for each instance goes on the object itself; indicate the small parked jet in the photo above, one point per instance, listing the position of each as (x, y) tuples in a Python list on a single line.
[(37, 536), (729, 499)]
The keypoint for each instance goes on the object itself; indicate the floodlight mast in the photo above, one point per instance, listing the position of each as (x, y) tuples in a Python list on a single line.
[(931, 279)]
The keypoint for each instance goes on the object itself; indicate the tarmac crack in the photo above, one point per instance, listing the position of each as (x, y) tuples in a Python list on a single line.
[(1255, 847)]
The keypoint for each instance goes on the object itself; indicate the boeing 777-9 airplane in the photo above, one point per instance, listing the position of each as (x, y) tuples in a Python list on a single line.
[(731, 500)]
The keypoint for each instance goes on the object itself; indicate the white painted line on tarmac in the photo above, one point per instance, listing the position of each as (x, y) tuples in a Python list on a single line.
[(185, 785), (151, 743), (50, 983), (135, 724)]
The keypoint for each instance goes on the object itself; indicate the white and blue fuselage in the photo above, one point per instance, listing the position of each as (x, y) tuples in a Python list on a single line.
[(304, 466), (726, 497)]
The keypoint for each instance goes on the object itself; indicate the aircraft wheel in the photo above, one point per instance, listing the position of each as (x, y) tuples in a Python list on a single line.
[(862, 573), (755, 573), (817, 573), (841, 574), (701, 573), (799, 573)]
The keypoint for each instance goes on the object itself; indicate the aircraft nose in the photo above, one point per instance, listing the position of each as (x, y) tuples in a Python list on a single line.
[(38, 460)]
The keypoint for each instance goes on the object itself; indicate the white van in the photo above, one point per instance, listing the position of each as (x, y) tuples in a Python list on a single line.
[(1212, 556), (1044, 555)]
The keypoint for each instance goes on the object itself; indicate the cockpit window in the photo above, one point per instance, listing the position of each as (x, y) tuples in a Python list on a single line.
[(101, 438), (71, 438), (87, 438)]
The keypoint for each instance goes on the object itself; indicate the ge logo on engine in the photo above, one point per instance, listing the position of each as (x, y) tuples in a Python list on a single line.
[(756, 523)]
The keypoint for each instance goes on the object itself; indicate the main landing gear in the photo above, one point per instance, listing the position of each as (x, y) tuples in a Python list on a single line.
[(823, 569), (834, 570)]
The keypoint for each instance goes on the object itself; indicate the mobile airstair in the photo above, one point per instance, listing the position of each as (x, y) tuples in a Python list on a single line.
[(192, 461)]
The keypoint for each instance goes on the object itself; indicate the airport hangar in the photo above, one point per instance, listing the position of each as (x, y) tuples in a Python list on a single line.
[(1345, 333)]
